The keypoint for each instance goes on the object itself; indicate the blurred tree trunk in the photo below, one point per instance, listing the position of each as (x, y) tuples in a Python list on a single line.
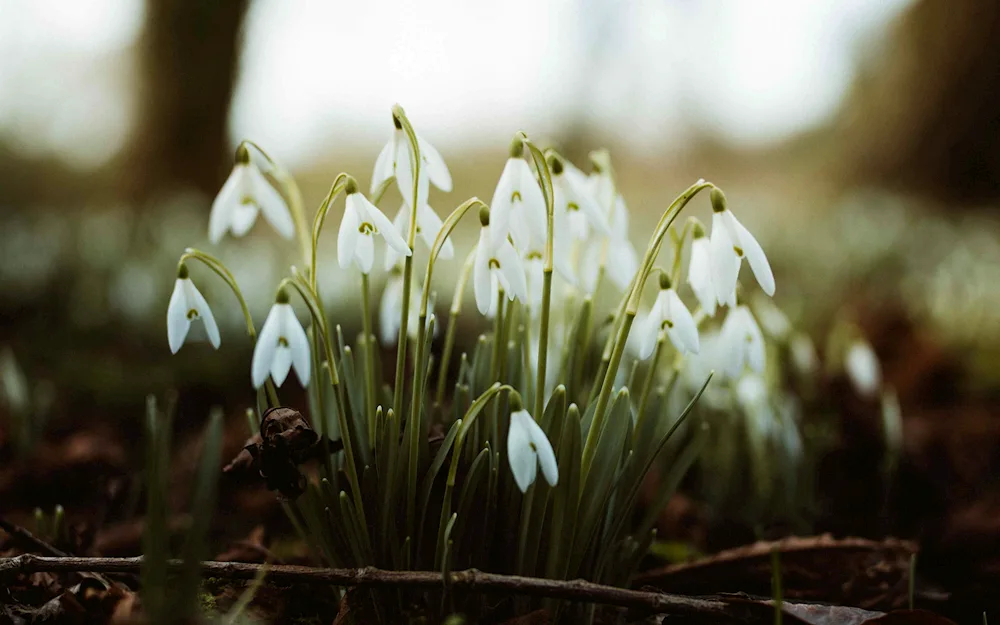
[(926, 117), (189, 55)]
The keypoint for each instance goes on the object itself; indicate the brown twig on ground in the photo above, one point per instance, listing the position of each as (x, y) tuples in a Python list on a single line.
[(27, 538), (469, 580), (31, 541)]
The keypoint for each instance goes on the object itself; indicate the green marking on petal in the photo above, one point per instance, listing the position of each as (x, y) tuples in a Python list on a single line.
[(573, 206), (366, 228), (738, 250), (515, 196), (282, 341), (192, 314), (494, 263)]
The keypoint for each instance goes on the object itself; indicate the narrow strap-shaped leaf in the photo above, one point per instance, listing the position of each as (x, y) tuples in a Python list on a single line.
[(202, 509), (428, 484), (565, 498), (673, 479)]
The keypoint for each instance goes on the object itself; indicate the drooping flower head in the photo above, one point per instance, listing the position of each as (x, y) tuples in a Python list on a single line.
[(574, 199), (528, 447), (281, 345), (187, 305), (362, 222), (429, 224), (396, 159), (730, 244), (518, 206), (496, 265), (700, 270), (742, 343), (245, 194), (670, 315)]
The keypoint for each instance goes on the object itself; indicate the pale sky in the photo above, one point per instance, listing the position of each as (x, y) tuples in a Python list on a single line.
[(315, 74)]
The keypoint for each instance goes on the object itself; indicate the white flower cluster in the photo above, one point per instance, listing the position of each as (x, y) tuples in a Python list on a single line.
[(589, 242)]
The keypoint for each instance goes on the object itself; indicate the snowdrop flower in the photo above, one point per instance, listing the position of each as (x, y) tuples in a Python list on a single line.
[(429, 224), (742, 343), (496, 264), (670, 315), (391, 307), (730, 243), (700, 270), (395, 160), (281, 345), (187, 304), (862, 368), (245, 194), (518, 206), (528, 447), (356, 239), (574, 199), (621, 262)]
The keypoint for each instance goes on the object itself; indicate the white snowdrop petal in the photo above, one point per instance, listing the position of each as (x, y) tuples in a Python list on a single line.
[(684, 332), (230, 196), (725, 262), (197, 301), (382, 224), (178, 323), (511, 267), (543, 450), (755, 256), (298, 345), (576, 188), (272, 204), (437, 170), (622, 263), (383, 169), (502, 204), (647, 334), (481, 280), (281, 364), (364, 253), (242, 218), (522, 458), (348, 235), (267, 344)]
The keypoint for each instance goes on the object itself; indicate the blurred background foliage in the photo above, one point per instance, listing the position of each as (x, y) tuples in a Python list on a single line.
[(858, 139)]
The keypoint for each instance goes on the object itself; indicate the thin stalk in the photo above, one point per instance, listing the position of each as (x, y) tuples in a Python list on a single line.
[(449, 337), (418, 377), (312, 304), (541, 165), (366, 324), (399, 116), (647, 384)]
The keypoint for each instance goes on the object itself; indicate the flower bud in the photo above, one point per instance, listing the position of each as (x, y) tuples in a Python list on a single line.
[(484, 216), (182, 271), (664, 281), (351, 187), (516, 146), (555, 164), (242, 155), (281, 297), (718, 200), (515, 402)]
